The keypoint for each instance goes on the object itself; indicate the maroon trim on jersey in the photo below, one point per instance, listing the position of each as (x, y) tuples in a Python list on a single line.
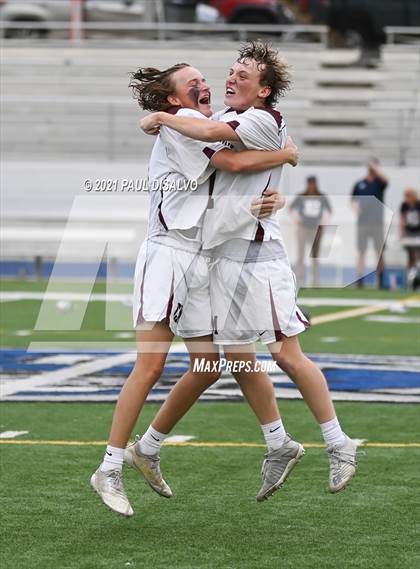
[(304, 322), (230, 110), (209, 152), (276, 324), (212, 179), (160, 214), (170, 303), (233, 124), (259, 234), (275, 114), (173, 110)]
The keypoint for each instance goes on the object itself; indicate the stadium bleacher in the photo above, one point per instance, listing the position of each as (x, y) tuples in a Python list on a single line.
[(73, 102), (67, 115)]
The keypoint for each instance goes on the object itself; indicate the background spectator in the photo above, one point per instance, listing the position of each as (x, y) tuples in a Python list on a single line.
[(410, 230), (370, 218), (310, 209)]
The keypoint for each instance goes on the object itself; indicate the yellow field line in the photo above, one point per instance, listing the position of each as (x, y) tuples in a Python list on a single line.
[(360, 311), (192, 444)]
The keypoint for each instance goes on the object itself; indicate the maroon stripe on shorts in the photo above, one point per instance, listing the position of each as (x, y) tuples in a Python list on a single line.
[(276, 324), (304, 322), (140, 315), (170, 303)]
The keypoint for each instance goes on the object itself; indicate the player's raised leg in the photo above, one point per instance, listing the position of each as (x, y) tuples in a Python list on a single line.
[(311, 382), (143, 455), (152, 349), (283, 453)]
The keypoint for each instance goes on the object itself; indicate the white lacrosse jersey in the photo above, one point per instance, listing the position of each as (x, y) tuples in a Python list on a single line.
[(229, 214), (178, 180)]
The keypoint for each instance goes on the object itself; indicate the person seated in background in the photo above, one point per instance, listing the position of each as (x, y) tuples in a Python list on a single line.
[(410, 231), (311, 209)]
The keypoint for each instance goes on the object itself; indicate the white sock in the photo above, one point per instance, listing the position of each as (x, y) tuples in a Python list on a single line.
[(274, 434), (332, 433), (151, 441), (113, 459)]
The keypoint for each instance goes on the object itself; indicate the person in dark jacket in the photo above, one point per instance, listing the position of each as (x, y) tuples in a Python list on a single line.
[(370, 217)]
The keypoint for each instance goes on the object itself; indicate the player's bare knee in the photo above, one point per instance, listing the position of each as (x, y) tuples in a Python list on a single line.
[(285, 362), (207, 377), (149, 373)]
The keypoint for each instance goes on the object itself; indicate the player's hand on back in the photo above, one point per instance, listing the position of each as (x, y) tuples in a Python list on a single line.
[(150, 124), (268, 204), (293, 150)]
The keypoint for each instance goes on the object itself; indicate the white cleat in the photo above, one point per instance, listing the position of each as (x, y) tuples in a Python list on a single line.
[(110, 488), (149, 467), (343, 464), (277, 466)]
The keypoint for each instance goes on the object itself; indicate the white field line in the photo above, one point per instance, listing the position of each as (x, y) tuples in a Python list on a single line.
[(179, 439), (393, 319), (355, 312), (12, 434), (235, 395), (361, 442), (7, 296)]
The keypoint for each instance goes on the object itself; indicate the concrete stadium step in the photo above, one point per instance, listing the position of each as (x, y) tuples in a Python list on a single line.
[(79, 104), (329, 135)]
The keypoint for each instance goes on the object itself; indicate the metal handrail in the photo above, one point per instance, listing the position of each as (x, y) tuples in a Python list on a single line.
[(193, 26), (169, 26), (392, 31), (162, 27)]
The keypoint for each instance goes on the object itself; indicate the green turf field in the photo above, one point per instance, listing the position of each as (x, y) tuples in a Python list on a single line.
[(353, 335), (51, 518)]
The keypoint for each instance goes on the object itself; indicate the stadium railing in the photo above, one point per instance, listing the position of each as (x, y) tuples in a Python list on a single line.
[(167, 31)]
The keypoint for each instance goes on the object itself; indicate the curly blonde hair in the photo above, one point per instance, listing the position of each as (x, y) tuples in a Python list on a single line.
[(275, 72)]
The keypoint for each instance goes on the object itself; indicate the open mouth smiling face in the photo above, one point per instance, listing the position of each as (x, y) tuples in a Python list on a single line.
[(192, 91), (243, 88)]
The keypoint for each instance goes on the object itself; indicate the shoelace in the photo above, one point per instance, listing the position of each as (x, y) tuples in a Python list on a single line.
[(116, 477), (153, 459), (337, 458), (266, 463)]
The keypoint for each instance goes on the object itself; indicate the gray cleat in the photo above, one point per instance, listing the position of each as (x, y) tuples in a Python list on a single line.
[(110, 488), (149, 467), (277, 466), (343, 464)]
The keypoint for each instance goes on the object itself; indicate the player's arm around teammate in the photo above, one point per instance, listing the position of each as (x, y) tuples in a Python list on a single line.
[(255, 81), (154, 336)]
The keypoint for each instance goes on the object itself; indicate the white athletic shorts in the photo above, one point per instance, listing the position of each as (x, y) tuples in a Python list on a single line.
[(254, 301), (171, 284)]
